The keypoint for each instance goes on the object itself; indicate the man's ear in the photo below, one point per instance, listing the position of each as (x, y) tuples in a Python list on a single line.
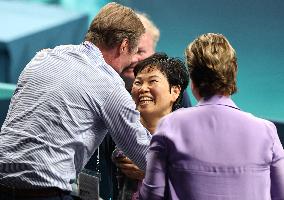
[(175, 92), (124, 46)]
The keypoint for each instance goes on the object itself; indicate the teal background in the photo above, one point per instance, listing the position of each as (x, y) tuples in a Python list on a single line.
[(255, 28), (26, 28)]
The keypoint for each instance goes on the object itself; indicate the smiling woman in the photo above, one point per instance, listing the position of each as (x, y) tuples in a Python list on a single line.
[(158, 87), (157, 91), (152, 95)]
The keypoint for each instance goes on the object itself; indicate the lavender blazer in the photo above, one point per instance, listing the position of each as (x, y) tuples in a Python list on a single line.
[(214, 151)]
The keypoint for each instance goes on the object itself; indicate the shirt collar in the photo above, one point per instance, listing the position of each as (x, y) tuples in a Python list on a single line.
[(218, 100), (90, 46), (97, 52)]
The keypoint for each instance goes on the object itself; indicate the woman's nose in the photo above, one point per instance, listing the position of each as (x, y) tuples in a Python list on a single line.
[(144, 87)]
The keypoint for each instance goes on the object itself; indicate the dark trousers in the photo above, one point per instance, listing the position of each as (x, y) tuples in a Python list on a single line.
[(4, 196), (9, 193)]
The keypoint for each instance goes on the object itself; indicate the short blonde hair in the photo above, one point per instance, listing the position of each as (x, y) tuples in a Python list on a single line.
[(150, 27), (212, 65), (112, 24)]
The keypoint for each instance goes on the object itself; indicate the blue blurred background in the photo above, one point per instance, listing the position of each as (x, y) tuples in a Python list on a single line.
[(255, 28)]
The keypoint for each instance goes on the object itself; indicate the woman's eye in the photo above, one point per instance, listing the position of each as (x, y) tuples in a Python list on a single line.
[(153, 81), (137, 83)]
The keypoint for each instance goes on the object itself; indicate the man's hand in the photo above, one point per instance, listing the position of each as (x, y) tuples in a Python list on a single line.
[(128, 168)]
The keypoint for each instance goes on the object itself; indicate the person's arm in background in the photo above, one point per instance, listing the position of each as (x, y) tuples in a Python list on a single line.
[(123, 123), (277, 168)]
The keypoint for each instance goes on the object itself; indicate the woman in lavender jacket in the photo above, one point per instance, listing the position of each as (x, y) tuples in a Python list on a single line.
[(214, 150)]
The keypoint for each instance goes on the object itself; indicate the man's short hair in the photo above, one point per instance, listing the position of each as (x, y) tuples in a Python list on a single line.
[(113, 24)]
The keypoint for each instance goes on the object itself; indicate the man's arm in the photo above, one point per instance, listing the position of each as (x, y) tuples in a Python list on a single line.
[(123, 123)]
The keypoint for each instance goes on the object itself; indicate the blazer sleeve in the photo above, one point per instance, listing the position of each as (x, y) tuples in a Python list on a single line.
[(154, 184), (277, 168)]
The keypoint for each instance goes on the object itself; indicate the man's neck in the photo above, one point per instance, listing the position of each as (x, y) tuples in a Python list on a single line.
[(110, 56)]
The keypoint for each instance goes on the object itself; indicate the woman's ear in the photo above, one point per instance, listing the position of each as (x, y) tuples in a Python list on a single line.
[(175, 92)]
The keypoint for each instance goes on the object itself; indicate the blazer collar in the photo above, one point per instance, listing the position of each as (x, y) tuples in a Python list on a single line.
[(218, 100)]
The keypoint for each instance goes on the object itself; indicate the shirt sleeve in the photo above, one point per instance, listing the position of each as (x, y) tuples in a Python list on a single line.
[(277, 168), (123, 123), (154, 184)]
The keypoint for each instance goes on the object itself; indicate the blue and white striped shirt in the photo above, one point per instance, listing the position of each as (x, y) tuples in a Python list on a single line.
[(66, 100)]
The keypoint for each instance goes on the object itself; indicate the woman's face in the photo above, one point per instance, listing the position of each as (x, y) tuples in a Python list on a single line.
[(151, 92)]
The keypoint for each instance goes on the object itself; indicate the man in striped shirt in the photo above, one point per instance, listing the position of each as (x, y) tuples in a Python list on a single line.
[(66, 100)]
